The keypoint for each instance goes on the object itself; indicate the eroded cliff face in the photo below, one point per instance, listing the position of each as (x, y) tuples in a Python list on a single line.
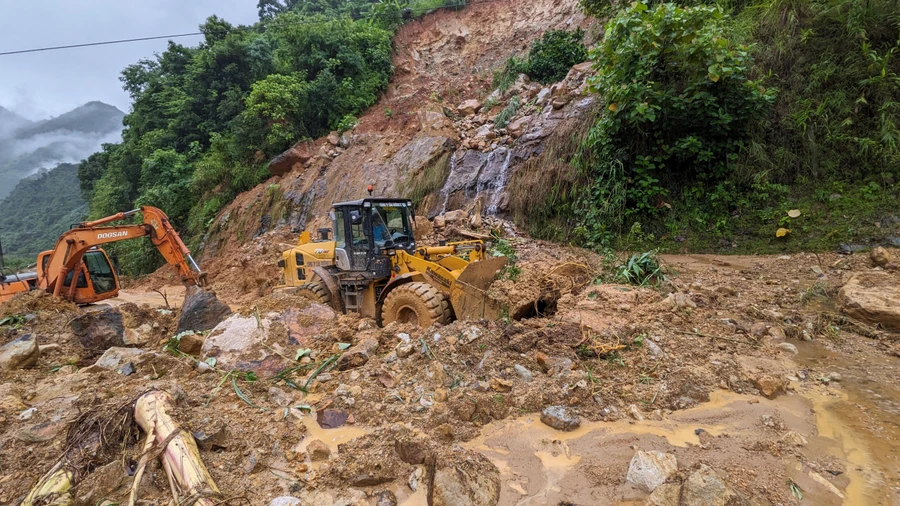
[(438, 114)]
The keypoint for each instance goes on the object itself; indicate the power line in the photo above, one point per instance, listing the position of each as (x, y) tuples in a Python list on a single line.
[(104, 43), (180, 35)]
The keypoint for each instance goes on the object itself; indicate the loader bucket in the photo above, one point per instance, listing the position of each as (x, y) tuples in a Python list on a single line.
[(468, 296)]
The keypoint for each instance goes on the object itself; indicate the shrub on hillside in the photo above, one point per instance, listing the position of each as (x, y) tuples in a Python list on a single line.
[(678, 109), (551, 57)]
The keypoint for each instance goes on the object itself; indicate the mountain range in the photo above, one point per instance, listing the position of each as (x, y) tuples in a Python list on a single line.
[(29, 146)]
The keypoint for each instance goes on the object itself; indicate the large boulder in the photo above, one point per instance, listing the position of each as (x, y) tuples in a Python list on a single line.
[(201, 311), (99, 330), (469, 107), (298, 155), (873, 297), (21, 353), (649, 470)]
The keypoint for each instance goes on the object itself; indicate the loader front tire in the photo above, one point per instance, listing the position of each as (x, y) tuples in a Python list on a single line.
[(417, 303), (316, 291)]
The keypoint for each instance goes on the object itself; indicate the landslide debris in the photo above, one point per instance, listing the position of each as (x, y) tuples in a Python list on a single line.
[(258, 390)]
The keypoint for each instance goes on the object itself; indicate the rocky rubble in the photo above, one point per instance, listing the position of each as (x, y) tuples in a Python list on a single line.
[(267, 387)]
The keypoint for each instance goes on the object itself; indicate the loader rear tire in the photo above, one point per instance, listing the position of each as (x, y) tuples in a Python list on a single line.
[(417, 303), (316, 291)]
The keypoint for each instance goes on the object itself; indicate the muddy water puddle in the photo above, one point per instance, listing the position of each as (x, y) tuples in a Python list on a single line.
[(540, 465), (862, 415)]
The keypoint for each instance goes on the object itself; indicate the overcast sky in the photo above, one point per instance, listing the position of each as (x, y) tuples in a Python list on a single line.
[(40, 85)]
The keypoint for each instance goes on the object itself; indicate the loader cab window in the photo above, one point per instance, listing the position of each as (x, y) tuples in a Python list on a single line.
[(340, 239), (395, 218), (358, 229)]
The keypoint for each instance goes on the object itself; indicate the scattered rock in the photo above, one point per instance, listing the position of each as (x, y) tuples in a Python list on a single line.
[(559, 102), (635, 413), (405, 350), (114, 358), (334, 139), (466, 480), (705, 488), (881, 257), (524, 373), (285, 500), (100, 330), (20, 353), (872, 297), (468, 108), (543, 95), (201, 311), (835, 376), (457, 215), (295, 157), (27, 414), (501, 385), (559, 418), (788, 347), (649, 470), (386, 498), (369, 480), (423, 229), (331, 418), (518, 126), (793, 439), (278, 396), (191, 344), (654, 349), (251, 465), (318, 451), (769, 386), (667, 494), (439, 222), (358, 355), (127, 369), (759, 329)]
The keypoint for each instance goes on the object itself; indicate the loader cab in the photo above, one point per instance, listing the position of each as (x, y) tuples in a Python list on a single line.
[(368, 231)]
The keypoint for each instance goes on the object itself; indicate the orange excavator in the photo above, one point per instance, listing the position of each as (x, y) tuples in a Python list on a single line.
[(78, 270)]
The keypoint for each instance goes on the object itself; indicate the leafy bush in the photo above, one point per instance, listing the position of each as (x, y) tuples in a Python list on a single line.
[(551, 57), (641, 269), (679, 108)]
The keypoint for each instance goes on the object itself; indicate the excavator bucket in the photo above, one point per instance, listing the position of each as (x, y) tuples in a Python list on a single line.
[(469, 293)]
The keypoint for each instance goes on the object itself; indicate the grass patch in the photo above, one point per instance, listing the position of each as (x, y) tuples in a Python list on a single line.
[(508, 113), (428, 181)]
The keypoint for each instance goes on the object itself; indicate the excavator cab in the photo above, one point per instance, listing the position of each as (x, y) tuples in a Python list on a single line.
[(96, 281)]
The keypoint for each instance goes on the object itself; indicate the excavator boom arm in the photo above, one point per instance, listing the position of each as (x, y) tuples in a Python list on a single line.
[(73, 244)]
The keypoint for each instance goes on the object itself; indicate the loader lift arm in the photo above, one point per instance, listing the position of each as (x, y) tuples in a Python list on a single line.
[(72, 245)]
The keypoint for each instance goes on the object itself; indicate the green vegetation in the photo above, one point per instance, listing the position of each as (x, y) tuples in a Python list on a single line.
[(428, 181), (641, 269), (548, 61), (678, 111), (39, 209), (504, 248), (508, 113), (206, 120), (716, 118)]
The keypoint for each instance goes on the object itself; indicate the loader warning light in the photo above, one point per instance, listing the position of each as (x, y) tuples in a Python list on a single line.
[(370, 188)]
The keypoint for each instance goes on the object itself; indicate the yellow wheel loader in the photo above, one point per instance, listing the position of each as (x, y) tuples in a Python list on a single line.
[(374, 267)]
